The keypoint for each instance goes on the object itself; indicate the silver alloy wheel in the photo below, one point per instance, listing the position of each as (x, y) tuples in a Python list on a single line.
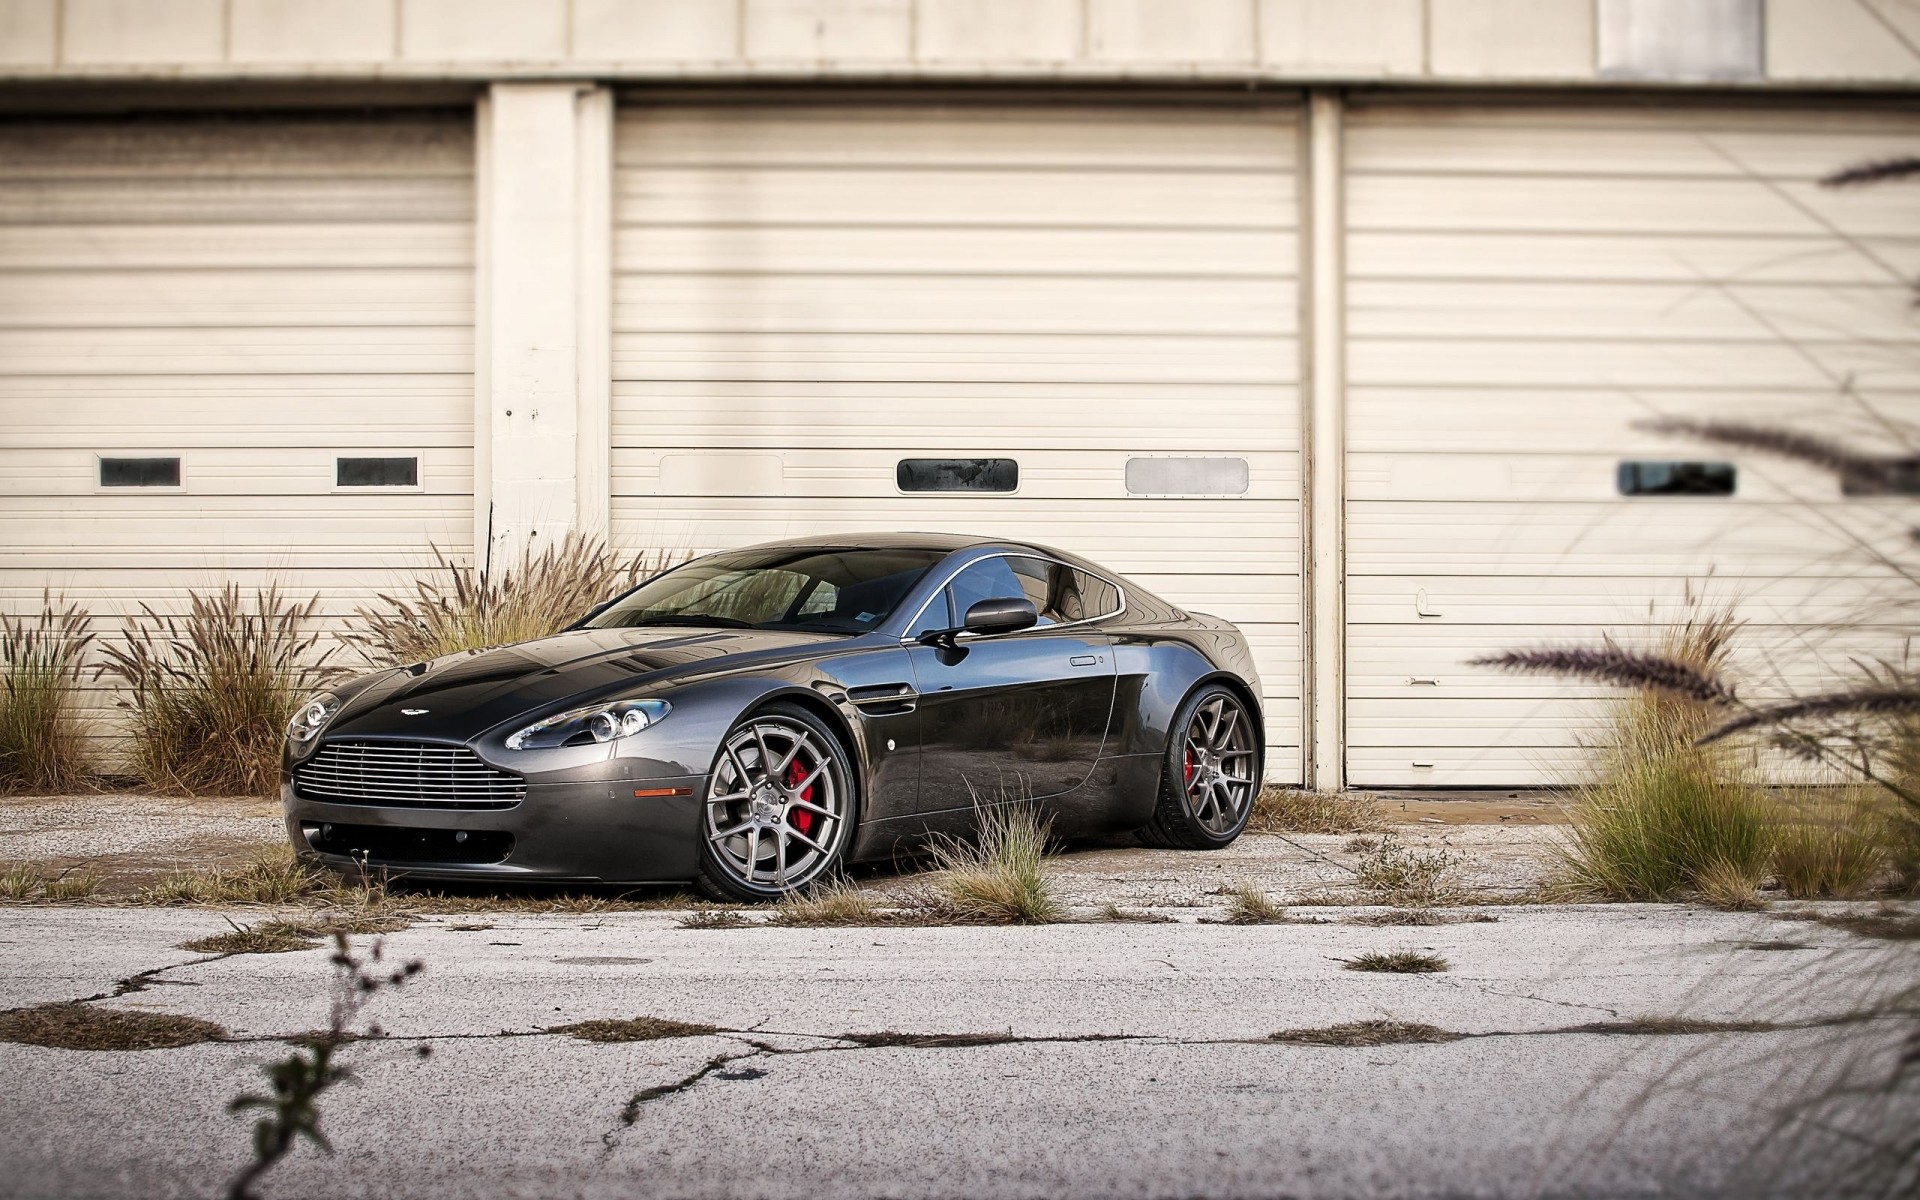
[(1217, 759), (774, 813)]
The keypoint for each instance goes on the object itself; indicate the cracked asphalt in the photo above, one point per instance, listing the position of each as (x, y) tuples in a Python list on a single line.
[(1059, 1061)]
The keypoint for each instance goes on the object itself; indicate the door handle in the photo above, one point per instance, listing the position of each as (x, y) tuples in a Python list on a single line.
[(1084, 660)]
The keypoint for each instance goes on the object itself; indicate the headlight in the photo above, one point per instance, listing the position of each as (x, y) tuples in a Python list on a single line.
[(311, 718), (585, 726)]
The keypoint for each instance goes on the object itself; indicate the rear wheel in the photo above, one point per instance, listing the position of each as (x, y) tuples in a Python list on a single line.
[(1210, 774), (780, 806)]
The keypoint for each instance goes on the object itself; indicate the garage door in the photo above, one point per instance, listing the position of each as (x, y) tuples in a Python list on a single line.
[(1525, 284), (233, 349), (1063, 299)]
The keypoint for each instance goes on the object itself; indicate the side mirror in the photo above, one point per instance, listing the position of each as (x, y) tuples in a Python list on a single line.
[(1001, 616)]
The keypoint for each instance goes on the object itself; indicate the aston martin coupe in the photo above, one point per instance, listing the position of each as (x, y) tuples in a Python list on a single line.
[(755, 719)]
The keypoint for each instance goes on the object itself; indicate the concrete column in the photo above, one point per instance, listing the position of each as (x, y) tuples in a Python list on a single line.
[(1325, 448), (543, 319)]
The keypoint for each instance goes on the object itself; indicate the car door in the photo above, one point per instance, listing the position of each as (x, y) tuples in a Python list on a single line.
[(1019, 715)]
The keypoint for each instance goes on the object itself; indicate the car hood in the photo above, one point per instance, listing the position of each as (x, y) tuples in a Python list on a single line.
[(463, 695)]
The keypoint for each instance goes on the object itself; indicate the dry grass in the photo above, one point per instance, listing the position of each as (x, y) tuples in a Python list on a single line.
[(1668, 817), (280, 934), (1394, 873), (633, 1029), (30, 883), (21, 881), (75, 884), (461, 608), (210, 693), (1729, 885), (1419, 916), (1669, 1027), (1398, 962), (1834, 842), (1366, 1033), (70, 1026), (895, 1039), (1249, 905), (1002, 878), (274, 876), (714, 918), (830, 904), (43, 740), (1292, 810)]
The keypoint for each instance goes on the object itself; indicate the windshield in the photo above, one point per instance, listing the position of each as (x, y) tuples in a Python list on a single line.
[(817, 590)]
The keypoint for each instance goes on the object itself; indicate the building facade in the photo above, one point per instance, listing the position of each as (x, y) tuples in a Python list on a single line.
[(1338, 318)]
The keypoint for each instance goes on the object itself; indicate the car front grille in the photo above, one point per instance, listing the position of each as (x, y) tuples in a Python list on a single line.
[(406, 775)]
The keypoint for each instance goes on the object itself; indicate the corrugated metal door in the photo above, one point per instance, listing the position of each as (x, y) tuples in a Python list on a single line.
[(806, 294), (1525, 283), (256, 297)]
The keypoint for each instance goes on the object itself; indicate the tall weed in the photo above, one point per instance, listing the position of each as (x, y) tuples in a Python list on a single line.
[(461, 608), (43, 739), (1665, 816), (210, 693)]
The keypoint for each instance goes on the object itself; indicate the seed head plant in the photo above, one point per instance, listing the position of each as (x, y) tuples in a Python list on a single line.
[(460, 608), (209, 694), (43, 739)]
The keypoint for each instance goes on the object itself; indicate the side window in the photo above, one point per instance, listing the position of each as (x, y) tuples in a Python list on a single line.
[(988, 579), (1063, 594)]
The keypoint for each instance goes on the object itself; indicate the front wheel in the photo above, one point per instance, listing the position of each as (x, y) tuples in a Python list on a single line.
[(1210, 774), (780, 807)]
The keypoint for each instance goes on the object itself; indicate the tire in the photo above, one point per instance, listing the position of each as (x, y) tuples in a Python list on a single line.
[(1209, 774), (763, 838)]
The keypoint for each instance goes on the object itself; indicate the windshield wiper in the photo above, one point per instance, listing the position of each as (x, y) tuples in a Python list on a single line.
[(694, 619)]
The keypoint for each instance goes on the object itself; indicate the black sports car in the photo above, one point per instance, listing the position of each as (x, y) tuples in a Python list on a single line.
[(754, 719)]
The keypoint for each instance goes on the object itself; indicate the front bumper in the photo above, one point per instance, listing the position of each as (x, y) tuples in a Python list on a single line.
[(586, 832)]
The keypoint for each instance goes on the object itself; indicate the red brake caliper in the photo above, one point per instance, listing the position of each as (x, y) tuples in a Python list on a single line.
[(1186, 758), (802, 819)]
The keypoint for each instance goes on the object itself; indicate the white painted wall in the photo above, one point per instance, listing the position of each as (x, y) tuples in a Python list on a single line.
[(1444, 41)]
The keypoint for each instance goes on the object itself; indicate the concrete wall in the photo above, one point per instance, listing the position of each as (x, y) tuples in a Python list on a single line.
[(1760, 42)]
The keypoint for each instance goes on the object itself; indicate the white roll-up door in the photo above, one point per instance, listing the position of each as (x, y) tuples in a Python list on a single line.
[(257, 298), (808, 293), (1527, 282)]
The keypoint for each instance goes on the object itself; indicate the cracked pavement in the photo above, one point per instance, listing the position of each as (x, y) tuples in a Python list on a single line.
[(1055, 1061)]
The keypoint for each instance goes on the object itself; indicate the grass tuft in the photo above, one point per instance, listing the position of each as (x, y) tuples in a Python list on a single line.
[(1002, 878), (830, 904), (1366, 1033), (1400, 875), (43, 740), (1293, 810), (713, 918), (210, 693), (633, 1029), (1667, 817), (279, 935), (274, 876), (460, 608), (1398, 962), (1249, 905), (73, 1026), (1834, 843)]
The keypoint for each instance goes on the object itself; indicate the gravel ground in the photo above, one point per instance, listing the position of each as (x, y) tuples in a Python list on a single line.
[(1498, 842), (129, 840)]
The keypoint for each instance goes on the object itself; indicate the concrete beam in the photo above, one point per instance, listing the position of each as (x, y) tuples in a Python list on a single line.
[(543, 321)]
